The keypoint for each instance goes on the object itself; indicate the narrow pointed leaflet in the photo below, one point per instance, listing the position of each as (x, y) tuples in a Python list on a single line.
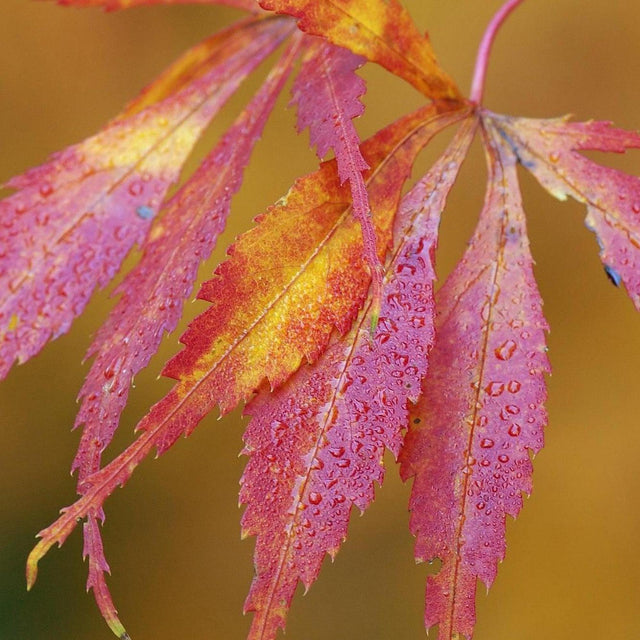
[(316, 444), (469, 444), (327, 92), (380, 30), (549, 149), (73, 220), (274, 301), (152, 296)]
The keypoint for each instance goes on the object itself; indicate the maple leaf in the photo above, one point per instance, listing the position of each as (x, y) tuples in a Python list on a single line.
[(327, 93), (263, 320), (380, 30), (286, 325), (316, 444), (549, 149), (468, 445), (151, 293), (104, 191)]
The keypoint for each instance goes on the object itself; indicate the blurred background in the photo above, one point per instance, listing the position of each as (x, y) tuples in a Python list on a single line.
[(172, 537)]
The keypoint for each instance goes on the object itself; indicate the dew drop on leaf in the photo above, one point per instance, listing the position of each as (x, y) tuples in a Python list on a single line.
[(515, 429), (315, 497), (513, 386), (494, 388), (505, 350), (144, 212)]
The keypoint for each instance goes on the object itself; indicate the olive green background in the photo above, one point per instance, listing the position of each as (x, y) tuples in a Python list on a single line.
[(172, 536)]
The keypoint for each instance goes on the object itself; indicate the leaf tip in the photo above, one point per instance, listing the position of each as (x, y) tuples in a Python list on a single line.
[(32, 565), (115, 625), (118, 629)]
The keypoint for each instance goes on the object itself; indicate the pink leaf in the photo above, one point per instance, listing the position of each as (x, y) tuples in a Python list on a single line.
[(74, 219), (549, 150), (327, 93), (316, 444), (204, 363), (152, 295), (469, 444)]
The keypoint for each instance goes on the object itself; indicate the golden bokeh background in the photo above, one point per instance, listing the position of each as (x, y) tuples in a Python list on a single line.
[(172, 536)]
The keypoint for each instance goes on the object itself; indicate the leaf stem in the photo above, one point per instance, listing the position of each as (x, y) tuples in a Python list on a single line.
[(482, 59)]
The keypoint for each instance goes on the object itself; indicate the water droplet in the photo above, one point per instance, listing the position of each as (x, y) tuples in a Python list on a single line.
[(513, 386), (480, 505), (515, 429), (42, 217), (46, 190), (486, 443), (136, 188), (315, 497), (503, 458), (405, 267), (506, 350), (613, 275), (144, 212), (494, 388)]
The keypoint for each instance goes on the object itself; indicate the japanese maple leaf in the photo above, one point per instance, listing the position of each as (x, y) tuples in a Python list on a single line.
[(323, 316), (72, 220)]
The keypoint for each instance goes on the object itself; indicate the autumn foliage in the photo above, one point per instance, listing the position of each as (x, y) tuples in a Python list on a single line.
[(323, 319)]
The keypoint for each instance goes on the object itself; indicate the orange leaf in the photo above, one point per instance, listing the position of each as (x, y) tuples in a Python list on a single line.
[(288, 283), (316, 444), (73, 219), (380, 30)]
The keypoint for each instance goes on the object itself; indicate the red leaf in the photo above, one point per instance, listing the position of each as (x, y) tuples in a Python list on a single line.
[(228, 355), (327, 93), (74, 219), (549, 150), (469, 443), (152, 295), (316, 444)]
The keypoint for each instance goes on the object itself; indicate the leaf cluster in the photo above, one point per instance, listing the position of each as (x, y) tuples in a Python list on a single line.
[(323, 316)]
